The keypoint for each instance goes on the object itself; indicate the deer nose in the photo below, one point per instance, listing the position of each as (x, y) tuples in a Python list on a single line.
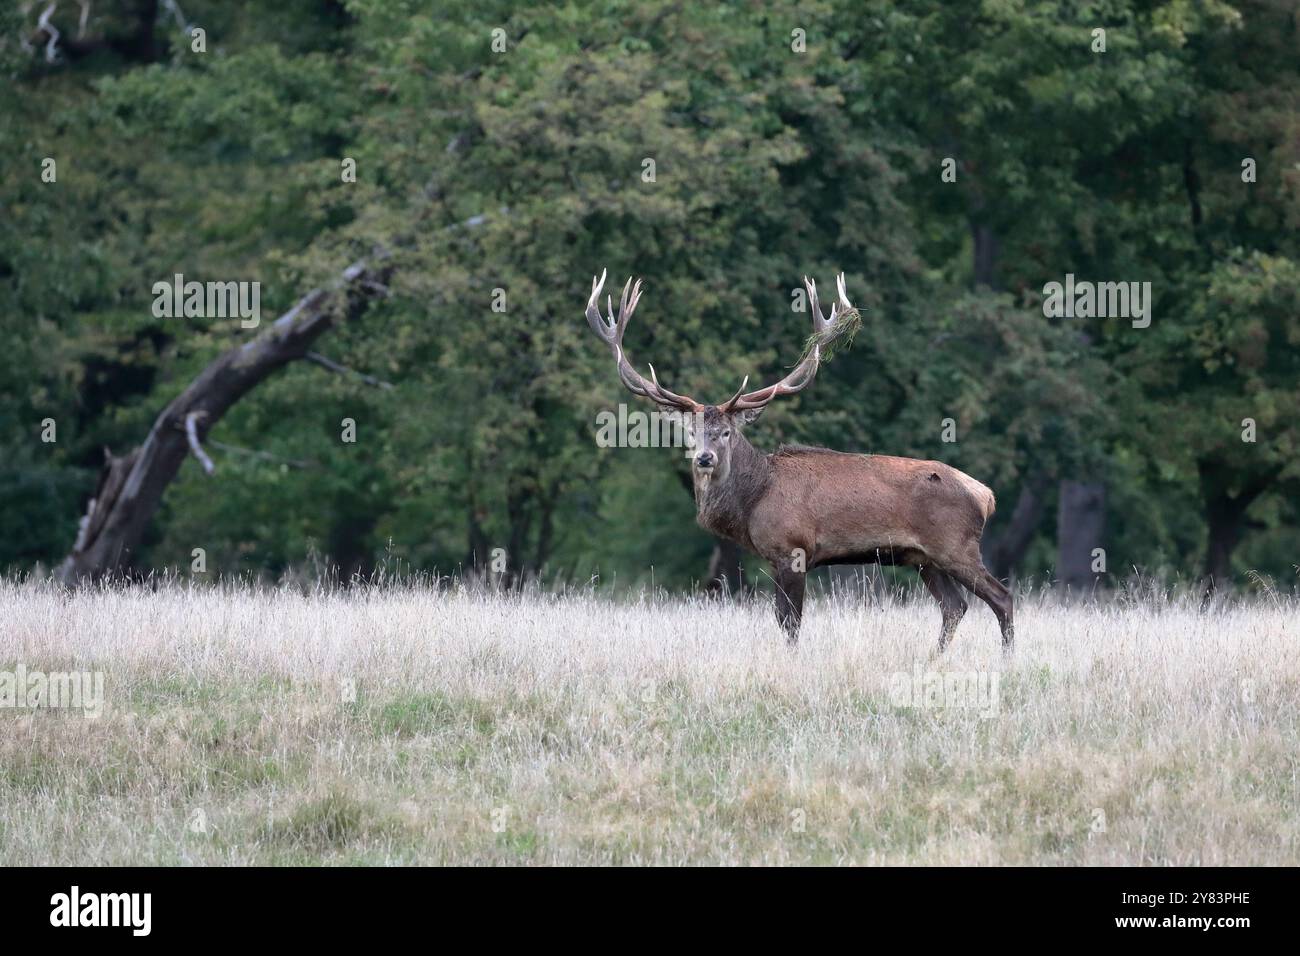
[(705, 459)]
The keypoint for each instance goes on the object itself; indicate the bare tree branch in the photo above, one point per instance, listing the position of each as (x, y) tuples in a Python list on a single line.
[(175, 11), (51, 31), (132, 37), (333, 366), (264, 455), (192, 434)]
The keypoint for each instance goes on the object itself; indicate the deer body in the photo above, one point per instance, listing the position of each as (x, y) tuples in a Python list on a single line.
[(837, 508), (801, 507)]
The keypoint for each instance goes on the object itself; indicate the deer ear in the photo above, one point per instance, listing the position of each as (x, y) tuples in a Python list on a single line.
[(749, 415)]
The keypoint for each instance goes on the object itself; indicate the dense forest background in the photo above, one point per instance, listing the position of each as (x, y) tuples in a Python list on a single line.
[(500, 158)]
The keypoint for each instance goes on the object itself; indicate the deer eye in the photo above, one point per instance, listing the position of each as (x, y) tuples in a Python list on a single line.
[(727, 433)]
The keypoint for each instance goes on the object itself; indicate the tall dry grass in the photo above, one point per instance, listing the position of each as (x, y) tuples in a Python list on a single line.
[(413, 725)]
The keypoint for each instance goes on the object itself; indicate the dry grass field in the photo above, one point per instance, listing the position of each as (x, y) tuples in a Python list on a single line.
[(410, 725)]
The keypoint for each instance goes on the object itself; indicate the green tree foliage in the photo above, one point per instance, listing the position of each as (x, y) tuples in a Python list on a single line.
[(505, 154)]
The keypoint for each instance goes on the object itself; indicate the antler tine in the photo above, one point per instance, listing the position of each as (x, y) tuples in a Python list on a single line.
[(821, 324), (626, 305), (654, 378), (799, 379), (611, 331), (622, 299), (594, 318), (632, 298), (731, 401), (801, 375), (814, 302)]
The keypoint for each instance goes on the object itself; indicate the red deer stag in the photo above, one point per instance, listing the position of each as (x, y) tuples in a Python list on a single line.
[(802, 507)]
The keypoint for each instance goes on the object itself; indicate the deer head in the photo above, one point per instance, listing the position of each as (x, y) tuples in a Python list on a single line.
[(714, 430)]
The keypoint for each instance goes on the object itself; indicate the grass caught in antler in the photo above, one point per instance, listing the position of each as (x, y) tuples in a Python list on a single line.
[(837, 338)]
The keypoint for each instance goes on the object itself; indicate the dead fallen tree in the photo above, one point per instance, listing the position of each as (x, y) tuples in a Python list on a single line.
[(131, 486)]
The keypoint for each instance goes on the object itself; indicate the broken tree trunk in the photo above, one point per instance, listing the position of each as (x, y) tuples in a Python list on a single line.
[(131, 487)]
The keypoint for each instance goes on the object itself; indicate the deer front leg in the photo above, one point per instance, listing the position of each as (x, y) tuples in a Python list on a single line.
[(790, 578)]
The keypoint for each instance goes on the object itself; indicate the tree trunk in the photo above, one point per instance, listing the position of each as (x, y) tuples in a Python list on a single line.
[(1006, 552), (131, 487), (519, 514), (1225, 516), (480, 550), (726, 576), (1080, 529), (348, 545), (985, 256), (1225, 520), (1223, 531)]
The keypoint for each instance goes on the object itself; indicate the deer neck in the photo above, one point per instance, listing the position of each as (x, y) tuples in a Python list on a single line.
[(724, 507)]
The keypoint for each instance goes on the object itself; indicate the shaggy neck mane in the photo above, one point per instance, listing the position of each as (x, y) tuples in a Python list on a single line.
[(726, 506), (794, 450)]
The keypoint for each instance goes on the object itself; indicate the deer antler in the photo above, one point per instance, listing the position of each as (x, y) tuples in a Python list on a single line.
[(801, 375), (611, 330)]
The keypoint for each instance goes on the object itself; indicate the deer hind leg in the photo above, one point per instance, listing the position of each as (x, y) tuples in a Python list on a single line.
[(952, 604), (992, 592), (789, 599)]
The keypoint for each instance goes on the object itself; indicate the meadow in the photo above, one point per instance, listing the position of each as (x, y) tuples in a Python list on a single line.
[(423, 725)]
